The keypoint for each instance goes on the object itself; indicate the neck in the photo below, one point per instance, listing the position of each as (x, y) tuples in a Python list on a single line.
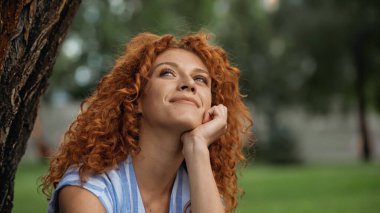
[(158, 161)]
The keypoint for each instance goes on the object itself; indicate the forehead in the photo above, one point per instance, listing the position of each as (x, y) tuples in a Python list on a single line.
[(180, 57)]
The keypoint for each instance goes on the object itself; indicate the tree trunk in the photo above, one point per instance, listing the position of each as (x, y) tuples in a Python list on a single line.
[(361, 66), (30, 33)]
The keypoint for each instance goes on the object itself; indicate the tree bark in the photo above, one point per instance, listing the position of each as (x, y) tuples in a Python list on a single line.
[(30, 33), (361, 66)]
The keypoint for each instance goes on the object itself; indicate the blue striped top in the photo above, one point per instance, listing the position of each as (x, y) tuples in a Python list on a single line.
[(118, 190)]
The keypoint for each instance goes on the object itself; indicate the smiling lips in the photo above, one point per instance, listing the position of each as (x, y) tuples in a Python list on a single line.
[(184, 100)]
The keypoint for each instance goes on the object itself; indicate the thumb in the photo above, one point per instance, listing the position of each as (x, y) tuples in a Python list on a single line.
[(206, 116)]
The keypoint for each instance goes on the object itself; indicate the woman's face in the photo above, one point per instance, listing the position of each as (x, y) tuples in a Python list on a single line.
[(178, 92)]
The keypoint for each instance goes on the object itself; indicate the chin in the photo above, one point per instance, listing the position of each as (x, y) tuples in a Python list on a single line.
[(187, 124)]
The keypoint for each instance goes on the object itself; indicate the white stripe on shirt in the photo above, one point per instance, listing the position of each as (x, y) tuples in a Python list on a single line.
[(118, 190)]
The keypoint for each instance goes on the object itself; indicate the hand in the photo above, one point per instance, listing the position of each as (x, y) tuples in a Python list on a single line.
[(213, 126)]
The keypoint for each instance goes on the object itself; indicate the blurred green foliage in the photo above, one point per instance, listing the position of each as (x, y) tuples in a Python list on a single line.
[(290, 52), (319, 55)]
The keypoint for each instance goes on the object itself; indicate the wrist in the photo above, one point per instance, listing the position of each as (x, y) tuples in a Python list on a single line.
[(195, 147)]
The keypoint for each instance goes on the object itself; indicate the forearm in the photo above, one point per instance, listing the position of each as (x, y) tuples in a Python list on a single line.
[(204, 193)]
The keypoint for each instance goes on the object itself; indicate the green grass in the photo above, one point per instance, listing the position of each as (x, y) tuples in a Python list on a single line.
[(328, 188), (345, 188), (27, 197)]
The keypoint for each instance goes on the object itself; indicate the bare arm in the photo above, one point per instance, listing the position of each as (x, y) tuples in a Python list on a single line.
[(204, 192), (75, 199)]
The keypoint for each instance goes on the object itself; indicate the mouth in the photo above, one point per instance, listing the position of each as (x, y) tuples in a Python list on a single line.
[(184, 100)]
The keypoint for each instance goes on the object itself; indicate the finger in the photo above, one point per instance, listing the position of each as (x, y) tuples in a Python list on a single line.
[(223, 112), (211, 112), (206, 117), (220, 111)]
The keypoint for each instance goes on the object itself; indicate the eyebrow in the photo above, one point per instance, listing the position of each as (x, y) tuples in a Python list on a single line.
[(173, 64)]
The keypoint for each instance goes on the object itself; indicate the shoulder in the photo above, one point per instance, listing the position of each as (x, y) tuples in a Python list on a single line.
[(104, 189), (77, 199)]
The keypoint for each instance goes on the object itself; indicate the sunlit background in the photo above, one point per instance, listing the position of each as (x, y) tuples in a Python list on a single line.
[(310, 73)]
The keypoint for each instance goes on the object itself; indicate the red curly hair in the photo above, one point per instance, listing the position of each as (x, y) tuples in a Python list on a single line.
[(107, 129)]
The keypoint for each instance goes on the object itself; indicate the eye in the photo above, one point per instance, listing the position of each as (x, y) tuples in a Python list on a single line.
[(201, 79), (167, 72)]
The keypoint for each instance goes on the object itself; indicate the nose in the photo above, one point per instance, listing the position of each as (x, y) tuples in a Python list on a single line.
[(187, 85)]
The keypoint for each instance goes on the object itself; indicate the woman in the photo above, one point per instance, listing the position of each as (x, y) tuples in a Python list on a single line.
[(161, 133)]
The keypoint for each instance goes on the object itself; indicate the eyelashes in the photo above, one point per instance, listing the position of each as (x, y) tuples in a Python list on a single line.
[(197, 78), (201, 78), (167, 72)]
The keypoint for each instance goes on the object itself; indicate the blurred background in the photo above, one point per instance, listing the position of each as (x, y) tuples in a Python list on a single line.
[(310, 73)]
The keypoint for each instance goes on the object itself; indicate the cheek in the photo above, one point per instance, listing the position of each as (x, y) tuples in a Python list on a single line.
[(154, 96), (207, 100), (150, 101)]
